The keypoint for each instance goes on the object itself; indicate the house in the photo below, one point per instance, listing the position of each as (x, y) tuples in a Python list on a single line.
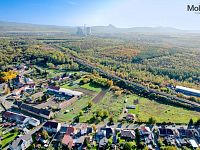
[(144, 130), (18, 82), (51, 126), (165, 131), (79, 142), (81, 128), (17, 92), (58, 137), (71, 130), (99, 135), (29, 87), (21, 143), (193, 143), (108, 131), (130, 117), (19, 118), (89, 130), (45, 113), (128, 134), (28, 81), (68, 141), (63, 128), (103, 143), (185, 132)]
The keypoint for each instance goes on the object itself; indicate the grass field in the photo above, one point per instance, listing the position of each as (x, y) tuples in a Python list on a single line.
[(75, 108), (161, 112), (7, 138), (110, 102), (67, 86), (144, 110), (92, 87), (134, 111)]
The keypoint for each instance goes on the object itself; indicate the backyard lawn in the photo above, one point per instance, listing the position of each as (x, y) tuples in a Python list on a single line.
[(7, 138)]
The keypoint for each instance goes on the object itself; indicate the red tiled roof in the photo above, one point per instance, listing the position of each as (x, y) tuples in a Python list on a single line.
[(70, 130), (67, 140), (143, 128)]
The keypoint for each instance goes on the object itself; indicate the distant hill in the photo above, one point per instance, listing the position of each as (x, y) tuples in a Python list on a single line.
[(113, 29), (25, 27)]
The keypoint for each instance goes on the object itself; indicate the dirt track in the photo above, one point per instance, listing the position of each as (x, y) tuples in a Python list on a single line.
[(97, 98)]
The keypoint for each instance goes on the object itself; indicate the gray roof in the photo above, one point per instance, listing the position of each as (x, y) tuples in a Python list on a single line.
[(103, 142), (19, 140), (187, 89), (16, 143)]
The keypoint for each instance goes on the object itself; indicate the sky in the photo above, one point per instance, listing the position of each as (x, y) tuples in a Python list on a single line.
[(121, 13)]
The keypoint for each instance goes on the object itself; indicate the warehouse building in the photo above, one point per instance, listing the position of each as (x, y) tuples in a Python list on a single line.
[(188, 91)]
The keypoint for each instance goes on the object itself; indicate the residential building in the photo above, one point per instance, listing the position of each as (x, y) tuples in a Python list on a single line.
[(163, 131), (19, 118), (68, 141), (21, 143), (71, 130), (103, 143), (82, 128), (144, 130), (108, 131), (128, 134), (52, 126)]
